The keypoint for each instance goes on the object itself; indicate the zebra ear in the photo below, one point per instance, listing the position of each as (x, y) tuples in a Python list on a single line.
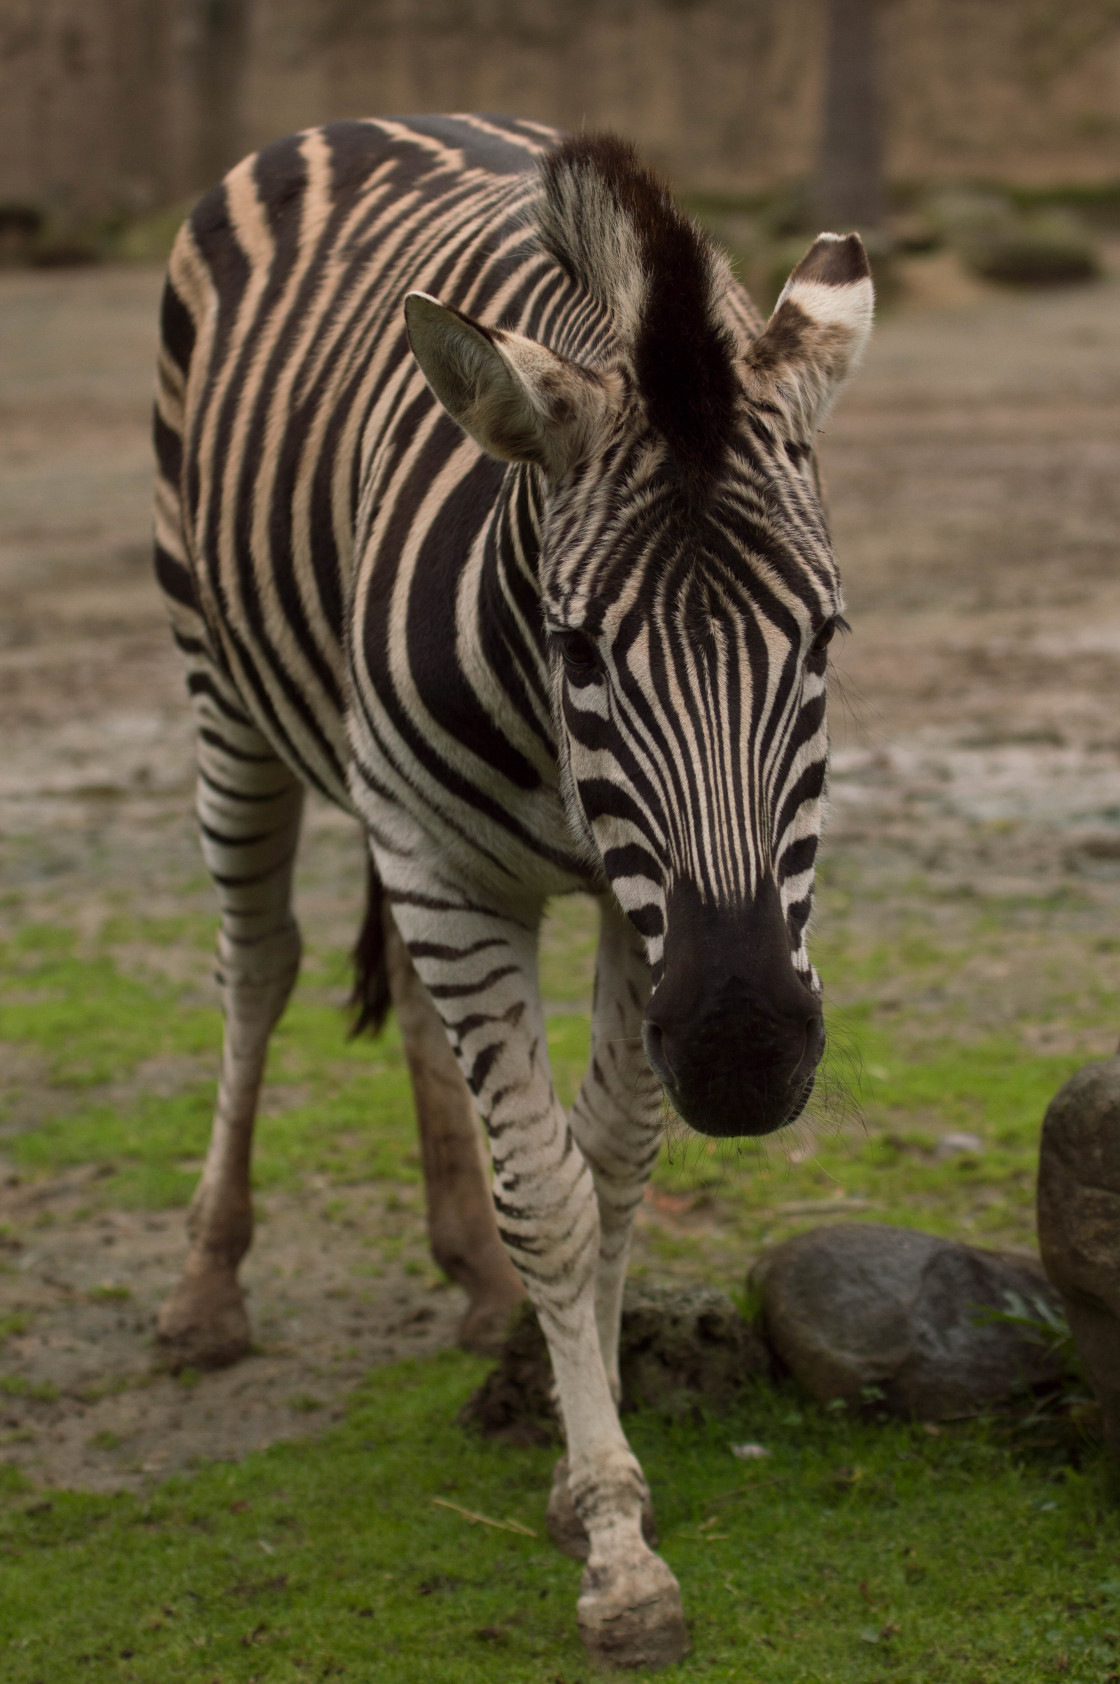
[(816, 335), (517, 399)]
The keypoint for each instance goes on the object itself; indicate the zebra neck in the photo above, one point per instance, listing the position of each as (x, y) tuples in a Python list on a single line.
[(509, 593), (513, 540)]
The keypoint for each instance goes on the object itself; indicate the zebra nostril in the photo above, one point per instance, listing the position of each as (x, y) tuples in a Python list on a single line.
[(654, 1043)]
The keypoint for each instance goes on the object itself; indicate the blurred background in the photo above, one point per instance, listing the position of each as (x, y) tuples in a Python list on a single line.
[(771, 111), (969, 916)]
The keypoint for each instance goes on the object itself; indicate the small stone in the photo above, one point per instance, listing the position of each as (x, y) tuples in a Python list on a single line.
[(749, 1452), (1079, 1224), (902, 1320), (957, 1142)]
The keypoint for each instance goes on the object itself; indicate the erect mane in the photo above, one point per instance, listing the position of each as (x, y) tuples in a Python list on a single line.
[(615, 229)]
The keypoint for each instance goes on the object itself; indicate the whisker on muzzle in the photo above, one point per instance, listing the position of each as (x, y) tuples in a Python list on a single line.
[(832, 1108), (836, 1103)]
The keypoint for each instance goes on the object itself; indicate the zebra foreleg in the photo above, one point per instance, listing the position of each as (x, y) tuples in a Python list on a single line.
[(462, 1228), (616, 1120), (249, 812), (617, 1114), (480, 969)]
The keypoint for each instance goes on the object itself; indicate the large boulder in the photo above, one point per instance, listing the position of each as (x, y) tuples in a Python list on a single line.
[(1079, 1223), (866, 1312), (680, 1347)]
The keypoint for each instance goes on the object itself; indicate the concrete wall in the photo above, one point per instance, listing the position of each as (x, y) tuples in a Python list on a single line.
[(130, 103)]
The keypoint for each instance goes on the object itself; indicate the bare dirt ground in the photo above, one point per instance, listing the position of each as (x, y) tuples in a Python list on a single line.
[(975, 492)]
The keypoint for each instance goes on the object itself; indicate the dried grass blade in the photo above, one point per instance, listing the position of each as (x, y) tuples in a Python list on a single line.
[(485, 1519)]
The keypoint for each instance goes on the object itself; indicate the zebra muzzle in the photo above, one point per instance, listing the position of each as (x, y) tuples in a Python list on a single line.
[(732, 1032)]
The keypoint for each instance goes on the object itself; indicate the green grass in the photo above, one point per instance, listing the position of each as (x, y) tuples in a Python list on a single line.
[(91, 1020), (338, 1108), (855, 1553), (105, 1026)]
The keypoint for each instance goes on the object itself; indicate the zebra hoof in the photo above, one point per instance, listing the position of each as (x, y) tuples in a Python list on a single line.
[(565, 1527), (630, 1614), (486, 1324), (203, 1324)]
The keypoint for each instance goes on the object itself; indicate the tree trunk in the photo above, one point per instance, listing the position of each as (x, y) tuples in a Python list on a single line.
[(220, 62), (850, 162)]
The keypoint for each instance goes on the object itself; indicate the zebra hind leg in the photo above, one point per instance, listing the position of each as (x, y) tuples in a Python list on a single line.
[(249, 807), (462, 1226)]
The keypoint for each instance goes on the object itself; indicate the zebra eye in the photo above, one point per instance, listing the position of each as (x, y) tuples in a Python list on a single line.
[(826, 634), (580, 654)]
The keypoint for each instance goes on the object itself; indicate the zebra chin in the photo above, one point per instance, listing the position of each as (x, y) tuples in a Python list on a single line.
[(727, 1111), (732, 1032)]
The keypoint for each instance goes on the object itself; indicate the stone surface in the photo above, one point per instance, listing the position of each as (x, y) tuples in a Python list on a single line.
[(1079, 1223), (860, 1305), (680, 1346), (956, 1143)]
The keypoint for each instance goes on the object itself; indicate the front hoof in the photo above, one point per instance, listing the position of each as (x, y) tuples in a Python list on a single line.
[(203, 1324), (631, 1615), (565, 1527)]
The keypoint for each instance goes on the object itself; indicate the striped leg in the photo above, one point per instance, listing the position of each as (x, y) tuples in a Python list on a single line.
[(617, 1114), (616, 1120), (462, 1228), (249, 807), (479, 965)]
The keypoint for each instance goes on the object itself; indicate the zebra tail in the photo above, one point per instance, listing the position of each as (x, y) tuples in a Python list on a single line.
[(369, 998)]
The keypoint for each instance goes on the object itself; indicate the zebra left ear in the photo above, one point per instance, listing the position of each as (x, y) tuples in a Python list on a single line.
[(816, 335), (517, 399)]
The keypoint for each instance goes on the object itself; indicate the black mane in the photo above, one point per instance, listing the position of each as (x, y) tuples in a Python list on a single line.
[(683, 355)]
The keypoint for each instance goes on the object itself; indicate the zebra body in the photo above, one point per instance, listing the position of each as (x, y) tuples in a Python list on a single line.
[(486, 507)]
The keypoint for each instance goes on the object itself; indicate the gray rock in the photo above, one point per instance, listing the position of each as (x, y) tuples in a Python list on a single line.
[(860, 1305), (1079, 1224), (956, 1142), (680, 1346)]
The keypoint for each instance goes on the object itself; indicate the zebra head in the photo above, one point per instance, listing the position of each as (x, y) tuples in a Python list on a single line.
[(688, 595)]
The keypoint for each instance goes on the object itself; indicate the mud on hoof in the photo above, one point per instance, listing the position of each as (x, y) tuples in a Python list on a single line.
[(630, 1613), (203, 1324), (567, 1530)]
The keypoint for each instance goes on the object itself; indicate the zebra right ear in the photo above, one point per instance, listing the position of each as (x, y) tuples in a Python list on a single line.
[(520, 401), (816, 335)]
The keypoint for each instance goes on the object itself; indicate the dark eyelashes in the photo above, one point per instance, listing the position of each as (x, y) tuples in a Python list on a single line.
[(826, 634), (579, 654)]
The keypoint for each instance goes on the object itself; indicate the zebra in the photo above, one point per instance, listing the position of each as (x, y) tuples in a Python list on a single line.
[(487, 507)]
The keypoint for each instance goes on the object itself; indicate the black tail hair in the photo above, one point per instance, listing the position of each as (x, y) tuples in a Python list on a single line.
[(369, 998)]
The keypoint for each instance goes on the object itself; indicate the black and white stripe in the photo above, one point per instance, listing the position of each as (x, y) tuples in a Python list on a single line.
[(487, 508)]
